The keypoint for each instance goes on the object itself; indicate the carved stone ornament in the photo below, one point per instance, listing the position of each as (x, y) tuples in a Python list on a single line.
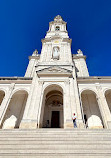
[(54, 69), (55, 105), (35, 53), (67, 82), (58, 18), (98, 86), (11, 87), (79, 52), (41, 82)]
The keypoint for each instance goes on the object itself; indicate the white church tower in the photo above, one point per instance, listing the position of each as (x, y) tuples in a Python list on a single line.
[(54, 90), (56, 85), (56, 50)]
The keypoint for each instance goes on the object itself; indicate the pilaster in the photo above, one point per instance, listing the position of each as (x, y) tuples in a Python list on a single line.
[(103, 106), (28, 120), (72, 96), (77, 101), (38, 105), (67, 106)]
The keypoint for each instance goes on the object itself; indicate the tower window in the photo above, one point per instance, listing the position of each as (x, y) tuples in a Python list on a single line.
[(57, 28)]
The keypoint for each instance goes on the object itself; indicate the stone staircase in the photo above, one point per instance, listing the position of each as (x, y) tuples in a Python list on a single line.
[(55, 143)]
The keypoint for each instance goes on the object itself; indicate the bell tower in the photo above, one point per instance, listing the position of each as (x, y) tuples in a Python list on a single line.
[(54, 85), (56, 51), (56, 46)]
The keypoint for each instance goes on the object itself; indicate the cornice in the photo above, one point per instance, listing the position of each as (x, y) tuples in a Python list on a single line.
[(76, 56), (34, 57), (44, 40), (93, 79), (55, 22), (21, 80)]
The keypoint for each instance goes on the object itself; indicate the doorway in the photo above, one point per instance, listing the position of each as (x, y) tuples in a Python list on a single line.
[(55, 119), (52, 108)]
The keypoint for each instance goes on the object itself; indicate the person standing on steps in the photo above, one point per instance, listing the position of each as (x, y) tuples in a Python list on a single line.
[(74, 120)]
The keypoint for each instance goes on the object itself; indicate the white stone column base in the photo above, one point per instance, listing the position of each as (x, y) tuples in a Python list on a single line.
[(28, 124), (109, 124), (80, 124), (68, 124)]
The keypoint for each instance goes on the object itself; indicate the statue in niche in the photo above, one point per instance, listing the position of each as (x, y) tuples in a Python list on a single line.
[(55, 54)]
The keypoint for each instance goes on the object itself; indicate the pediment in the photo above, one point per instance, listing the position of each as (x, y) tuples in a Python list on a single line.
[(54, 70)]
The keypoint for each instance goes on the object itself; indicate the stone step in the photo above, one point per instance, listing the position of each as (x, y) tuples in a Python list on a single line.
[(55, 156), (34, 142), (53, 132), (55, 147), (57, 138), (51, 143), (52, 151), (46, 130), (55, 135)]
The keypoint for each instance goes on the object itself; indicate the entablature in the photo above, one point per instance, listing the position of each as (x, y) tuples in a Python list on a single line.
[(51, 39), (94, 79), (34, 57), (76, 56), (24, 80)]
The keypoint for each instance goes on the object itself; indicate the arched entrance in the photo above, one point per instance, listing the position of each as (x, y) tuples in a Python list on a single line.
[(92, 116), (52, 107), (15, 110), (108, 98), (2, 94)]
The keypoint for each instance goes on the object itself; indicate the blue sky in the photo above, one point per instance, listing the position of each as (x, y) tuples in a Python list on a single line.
[(23, 23)]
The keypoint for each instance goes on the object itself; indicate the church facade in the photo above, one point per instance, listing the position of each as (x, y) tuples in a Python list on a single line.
[(56, 85)]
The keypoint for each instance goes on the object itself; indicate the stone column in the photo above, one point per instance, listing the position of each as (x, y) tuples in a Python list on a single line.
[(30, 118), (77, 100), (39, 99), (67, 107), (72, 97), (103, 106), (5, 102), (28, 121)]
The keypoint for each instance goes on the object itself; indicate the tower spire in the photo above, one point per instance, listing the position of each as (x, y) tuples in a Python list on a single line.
[(57, 28), (58, 18)]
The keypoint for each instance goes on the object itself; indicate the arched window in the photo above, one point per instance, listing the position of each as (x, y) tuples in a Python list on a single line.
[(57, 28)]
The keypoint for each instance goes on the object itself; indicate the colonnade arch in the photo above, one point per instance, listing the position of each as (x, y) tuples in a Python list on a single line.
[(15, 110), (2, 95), (52, 107), (91, 112), (108, 98)]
